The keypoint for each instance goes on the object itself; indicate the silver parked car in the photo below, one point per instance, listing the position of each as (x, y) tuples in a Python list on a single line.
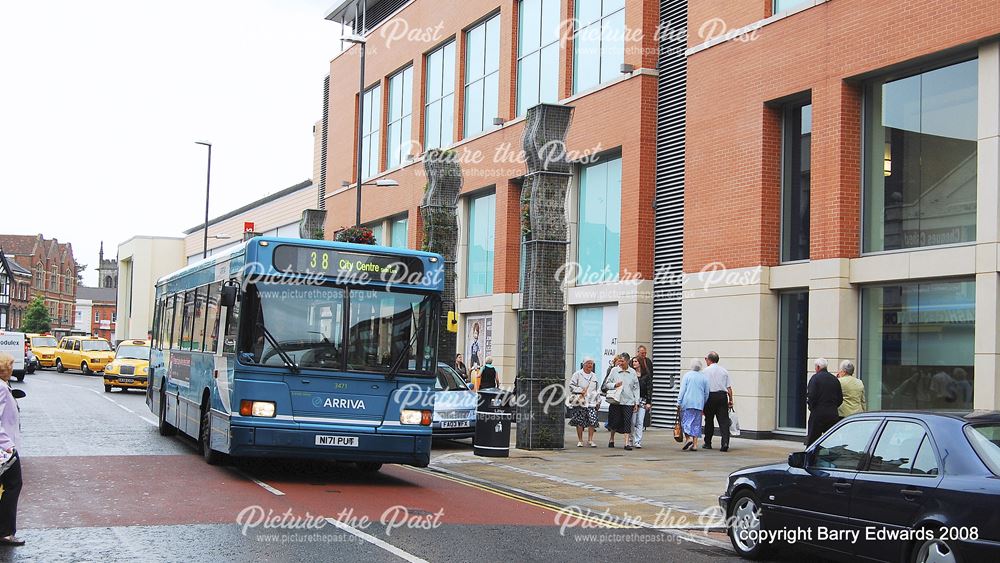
[(454, 405)]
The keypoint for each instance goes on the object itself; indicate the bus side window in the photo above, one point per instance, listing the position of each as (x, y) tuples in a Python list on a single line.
[(232, 328), (212, 318)]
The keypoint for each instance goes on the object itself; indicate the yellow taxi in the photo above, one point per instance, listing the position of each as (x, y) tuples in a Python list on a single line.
[(85, 353), (130, 368), (43, 346)]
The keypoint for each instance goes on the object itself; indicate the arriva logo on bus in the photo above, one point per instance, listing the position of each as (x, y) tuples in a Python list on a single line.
[(331, 403)]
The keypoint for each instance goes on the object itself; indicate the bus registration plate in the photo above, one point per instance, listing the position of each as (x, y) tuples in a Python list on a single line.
[(337, 441)]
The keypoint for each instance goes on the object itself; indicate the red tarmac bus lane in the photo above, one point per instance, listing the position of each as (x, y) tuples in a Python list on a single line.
[(75, 491)]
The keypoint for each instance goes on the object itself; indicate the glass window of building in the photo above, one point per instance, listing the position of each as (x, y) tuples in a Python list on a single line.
[(595, 336), (397, 232), (920, 166), (599, 228), (793, 359), (537, 53), (917, 345), (371, 120), (439, 111), (400, 117), (785, 5), (795, 170), (482, 75), (377, 232), (598, 43), (482, 226)]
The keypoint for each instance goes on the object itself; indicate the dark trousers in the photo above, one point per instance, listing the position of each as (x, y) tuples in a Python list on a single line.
[(717, 407), (819, 422), (11, 481)]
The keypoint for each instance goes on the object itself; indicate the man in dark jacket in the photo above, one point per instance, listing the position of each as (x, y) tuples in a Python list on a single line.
[(823, 396)]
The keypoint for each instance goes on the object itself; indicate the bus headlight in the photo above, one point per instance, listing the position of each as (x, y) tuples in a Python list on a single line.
[(422, 418), (257, 408)]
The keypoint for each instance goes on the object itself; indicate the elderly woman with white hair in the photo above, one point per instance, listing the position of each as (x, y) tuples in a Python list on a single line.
[(584, 398), (691, 400), (10, 441)]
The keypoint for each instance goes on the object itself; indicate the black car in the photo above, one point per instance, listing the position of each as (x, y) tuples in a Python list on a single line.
[(881, 486)]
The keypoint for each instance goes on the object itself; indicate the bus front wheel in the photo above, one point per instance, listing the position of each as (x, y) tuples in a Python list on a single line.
[(165, 428), (212, 457), (368, 466)]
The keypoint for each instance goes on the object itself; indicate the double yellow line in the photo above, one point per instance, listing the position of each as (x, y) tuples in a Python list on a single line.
[(604, 522)]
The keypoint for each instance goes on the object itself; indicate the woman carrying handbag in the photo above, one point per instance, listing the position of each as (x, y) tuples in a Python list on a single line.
[(10, 441)]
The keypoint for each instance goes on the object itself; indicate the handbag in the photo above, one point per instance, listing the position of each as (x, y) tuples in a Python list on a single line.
[(647, 420), (734, 423), (614, 396), (8, 463), (678, 431)]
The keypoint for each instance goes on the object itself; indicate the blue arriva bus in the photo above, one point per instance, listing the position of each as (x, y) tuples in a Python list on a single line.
[(300, 348)]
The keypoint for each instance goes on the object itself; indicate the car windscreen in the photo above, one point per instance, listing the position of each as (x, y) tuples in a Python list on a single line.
[(95, 346), (449, 380), (985, 439), (132, 352), (43, 341)]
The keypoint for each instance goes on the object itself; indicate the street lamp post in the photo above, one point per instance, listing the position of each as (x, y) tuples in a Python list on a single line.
[(208, 185), (360, 41)]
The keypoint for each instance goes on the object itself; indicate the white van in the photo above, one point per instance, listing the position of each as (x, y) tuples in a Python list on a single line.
[(13, 344)]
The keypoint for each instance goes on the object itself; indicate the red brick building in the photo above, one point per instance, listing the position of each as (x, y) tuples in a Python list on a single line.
[(842, 187), (97, 311), (53, 272), (461, 79)]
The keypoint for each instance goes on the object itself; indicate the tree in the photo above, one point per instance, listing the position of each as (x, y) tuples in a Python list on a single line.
[(36, 316)]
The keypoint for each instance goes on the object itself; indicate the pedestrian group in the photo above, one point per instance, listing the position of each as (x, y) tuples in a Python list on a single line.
[(704, 402)]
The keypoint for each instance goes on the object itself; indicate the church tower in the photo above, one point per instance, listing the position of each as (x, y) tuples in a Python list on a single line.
[(107, 271)]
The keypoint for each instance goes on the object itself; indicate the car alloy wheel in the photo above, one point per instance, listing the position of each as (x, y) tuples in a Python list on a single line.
[(745, 526), (59, 366), (936, 551)]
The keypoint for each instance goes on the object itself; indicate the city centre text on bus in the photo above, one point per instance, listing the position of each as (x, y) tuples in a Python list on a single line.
[(300, 348)]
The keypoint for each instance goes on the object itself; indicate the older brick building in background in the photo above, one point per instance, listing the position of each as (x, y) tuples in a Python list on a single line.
[(54, 274), (461, 79), (842, 186)]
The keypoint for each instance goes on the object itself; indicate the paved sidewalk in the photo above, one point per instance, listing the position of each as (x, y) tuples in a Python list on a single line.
[(659, 485)]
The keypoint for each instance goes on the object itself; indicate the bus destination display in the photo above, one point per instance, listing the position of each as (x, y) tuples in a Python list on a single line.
[(346, 266)]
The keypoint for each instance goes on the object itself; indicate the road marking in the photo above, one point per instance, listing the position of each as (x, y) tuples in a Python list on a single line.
[(605, 522), (262, 484), (406, 556), (112, 401)]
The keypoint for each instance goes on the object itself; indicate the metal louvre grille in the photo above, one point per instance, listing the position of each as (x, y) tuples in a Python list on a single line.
[(669, 216), (376, 14), (321, 190)]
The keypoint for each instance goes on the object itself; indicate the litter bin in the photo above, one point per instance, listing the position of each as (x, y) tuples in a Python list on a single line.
[(493, 417)]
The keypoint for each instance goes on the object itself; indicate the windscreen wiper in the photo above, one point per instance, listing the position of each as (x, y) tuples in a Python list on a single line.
[(398, 363), (277, 348)]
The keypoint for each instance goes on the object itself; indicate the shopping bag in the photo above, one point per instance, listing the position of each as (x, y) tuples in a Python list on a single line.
[(734, 423), (678, 431)]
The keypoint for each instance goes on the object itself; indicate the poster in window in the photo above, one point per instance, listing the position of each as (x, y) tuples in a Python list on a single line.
[(478, 339)]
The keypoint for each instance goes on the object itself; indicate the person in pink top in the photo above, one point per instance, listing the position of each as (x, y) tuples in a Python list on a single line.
[(10, 441)]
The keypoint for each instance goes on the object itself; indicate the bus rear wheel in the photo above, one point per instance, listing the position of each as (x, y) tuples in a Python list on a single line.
[(165, 428), (212, 457)]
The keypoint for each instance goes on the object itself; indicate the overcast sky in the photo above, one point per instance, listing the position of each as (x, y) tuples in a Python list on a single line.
[(102, 101)]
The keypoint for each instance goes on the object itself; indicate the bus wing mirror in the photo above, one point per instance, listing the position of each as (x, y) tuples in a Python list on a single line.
[(452, 321), (228, 298)]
